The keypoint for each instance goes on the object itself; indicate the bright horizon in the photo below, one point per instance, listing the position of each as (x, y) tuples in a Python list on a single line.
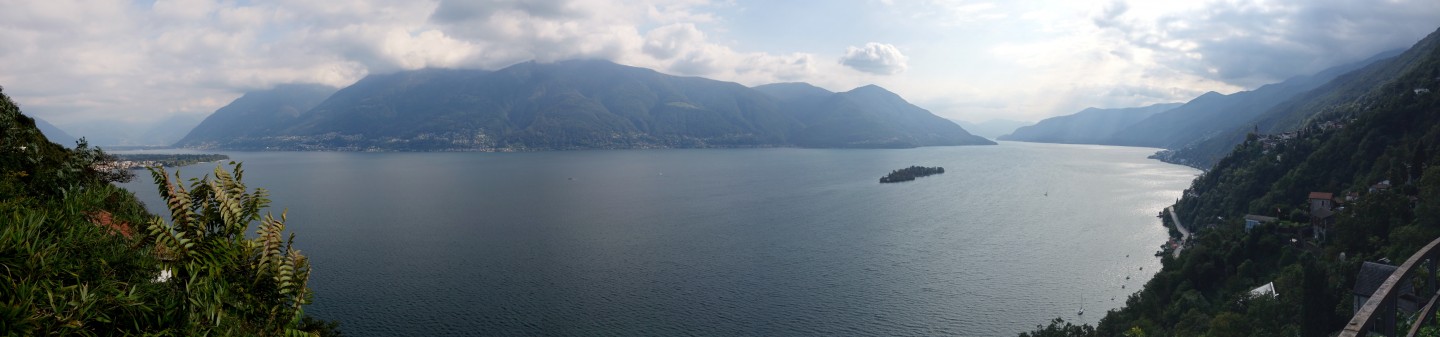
[(88, 63)]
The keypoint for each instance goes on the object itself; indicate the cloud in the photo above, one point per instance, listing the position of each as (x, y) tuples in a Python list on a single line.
[(949, 13), (78, 62), (875, 58), (668, 41), (1249, 42)]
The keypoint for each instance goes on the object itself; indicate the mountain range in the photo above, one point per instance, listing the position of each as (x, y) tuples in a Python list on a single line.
[(993, 128), (1213, 113), (1089, 126), (1199, 132), (54, 134), (578, 104)]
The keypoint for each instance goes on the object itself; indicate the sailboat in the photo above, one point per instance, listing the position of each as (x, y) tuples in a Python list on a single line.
[(1082, 306)]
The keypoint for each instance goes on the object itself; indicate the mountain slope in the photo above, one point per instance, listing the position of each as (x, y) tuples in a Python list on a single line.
[(1089, 126), (871, 116), (256, 113), (1212, 114), (170, 130), (993, 128), (55, 135), (1347, 94), (1387, 132), (586, 104)]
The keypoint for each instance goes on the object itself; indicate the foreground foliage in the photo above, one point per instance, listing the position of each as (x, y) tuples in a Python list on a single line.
[(80, 256)]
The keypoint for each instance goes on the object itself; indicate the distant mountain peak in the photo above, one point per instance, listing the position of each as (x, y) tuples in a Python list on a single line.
[(792, 85), (259, 112), (1089, 126), (591, 103), (793, 91), (871, 90)]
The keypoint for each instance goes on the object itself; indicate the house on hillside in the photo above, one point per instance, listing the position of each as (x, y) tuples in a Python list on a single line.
[(1369, 279), (1252, 220), (1321, 200), (1380, 186), (1322, 214), (1266, 290)]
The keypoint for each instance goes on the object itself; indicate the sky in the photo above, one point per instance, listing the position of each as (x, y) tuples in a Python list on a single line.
[(115, 62)]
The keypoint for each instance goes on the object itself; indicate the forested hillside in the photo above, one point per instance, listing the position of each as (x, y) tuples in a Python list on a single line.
[(1376, 154)]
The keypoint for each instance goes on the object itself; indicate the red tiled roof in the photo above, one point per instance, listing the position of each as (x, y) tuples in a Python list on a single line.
[(1322, 195)]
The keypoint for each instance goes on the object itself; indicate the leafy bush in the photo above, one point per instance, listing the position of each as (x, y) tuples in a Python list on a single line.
[(75, 260)]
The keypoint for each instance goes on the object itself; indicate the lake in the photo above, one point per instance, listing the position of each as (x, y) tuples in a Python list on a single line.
[(781, 242)]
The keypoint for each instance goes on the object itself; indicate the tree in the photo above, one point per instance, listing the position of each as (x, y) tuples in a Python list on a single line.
[(229, 283), (72, 262), (1059, 328)]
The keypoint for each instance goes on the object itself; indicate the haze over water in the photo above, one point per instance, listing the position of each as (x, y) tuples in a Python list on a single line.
[(718, 242)]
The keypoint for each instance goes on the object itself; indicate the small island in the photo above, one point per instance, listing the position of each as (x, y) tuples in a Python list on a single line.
[(910, 173), (139, 161)]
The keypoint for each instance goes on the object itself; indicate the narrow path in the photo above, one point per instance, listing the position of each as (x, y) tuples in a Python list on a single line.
[(1184, 233)]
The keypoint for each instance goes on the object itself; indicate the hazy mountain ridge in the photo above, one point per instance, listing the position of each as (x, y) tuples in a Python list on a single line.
[(1350, 93), (590, 104), (55, 134), (255, 114), (1199, 132), (1089, 126), (873, 117), (1213, 114), (993, 128)]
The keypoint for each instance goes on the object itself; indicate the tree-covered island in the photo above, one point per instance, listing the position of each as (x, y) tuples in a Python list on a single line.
[(910, 173)]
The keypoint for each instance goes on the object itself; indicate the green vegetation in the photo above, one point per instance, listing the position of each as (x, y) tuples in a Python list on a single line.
[(81, 256), (1391, 134), (910, 173)]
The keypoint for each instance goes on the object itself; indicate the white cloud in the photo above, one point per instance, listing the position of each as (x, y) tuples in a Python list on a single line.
[(184, 9), (1250, 42), (875, 58), (668, 41)]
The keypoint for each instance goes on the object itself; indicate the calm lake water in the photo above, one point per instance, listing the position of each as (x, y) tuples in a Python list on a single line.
[(780, 242)]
